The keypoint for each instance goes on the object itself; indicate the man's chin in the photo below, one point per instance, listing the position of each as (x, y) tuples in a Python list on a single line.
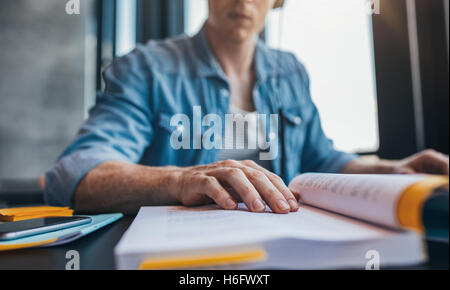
[(240, 35)]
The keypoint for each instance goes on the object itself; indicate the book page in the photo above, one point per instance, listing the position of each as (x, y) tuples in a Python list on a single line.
[(162, 230), (369, 197)]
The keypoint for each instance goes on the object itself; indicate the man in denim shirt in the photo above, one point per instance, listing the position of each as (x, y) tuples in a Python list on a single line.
[(124, 155)]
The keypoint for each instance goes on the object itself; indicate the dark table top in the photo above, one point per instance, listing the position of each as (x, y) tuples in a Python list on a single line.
[(96, 252)]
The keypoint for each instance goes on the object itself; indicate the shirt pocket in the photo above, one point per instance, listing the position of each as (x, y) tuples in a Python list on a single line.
[(294, 130)]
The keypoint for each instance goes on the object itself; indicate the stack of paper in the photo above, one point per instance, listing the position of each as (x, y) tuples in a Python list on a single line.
[(26, 213), (212, 238)]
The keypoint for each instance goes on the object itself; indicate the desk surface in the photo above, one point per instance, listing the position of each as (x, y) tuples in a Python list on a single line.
[(96, 252)]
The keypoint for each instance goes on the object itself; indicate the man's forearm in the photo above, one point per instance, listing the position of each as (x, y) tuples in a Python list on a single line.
[(370, 166), (122, 187)]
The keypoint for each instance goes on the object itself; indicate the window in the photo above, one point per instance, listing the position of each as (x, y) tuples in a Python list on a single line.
[(333, 39), (126, 26), (196, 12), (45, 57)]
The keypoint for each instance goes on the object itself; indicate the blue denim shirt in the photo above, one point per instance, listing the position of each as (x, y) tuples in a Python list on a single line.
[(144, 89)]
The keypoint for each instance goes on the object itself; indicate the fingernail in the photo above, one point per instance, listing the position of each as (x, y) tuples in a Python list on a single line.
[(283, 205), (230, 204), (293, 204), (258, 205)]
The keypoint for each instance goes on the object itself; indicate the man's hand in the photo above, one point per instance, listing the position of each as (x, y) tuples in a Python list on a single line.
[(228, 182), (428, 161)]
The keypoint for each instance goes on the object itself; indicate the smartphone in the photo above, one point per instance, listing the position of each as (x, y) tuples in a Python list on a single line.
[(26, 228)]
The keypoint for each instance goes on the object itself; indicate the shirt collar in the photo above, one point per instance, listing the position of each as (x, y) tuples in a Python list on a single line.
[(265, 59)]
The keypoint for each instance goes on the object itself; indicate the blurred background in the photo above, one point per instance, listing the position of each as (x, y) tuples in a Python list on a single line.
[(380, 80)]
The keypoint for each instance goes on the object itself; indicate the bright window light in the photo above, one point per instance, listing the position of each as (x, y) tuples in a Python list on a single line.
[(333, 39), (126, 28), (196, 12)]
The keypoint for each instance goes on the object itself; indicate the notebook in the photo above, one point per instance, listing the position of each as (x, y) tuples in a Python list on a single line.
[(343, 222)]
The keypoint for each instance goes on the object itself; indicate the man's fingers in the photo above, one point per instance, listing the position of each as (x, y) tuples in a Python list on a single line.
[(434, 162), (278, 183), (254, 185), (289, 195), (404, 170), (237, 179), (275, 199), (211, 187)]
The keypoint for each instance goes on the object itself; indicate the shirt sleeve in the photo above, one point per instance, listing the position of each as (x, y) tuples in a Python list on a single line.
[(319, 154), (118, 129)]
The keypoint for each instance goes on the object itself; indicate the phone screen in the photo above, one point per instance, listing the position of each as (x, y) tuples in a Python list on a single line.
[(41, 225)]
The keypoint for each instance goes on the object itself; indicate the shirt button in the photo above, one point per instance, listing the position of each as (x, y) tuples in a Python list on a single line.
[(297, 120), (225, 93)]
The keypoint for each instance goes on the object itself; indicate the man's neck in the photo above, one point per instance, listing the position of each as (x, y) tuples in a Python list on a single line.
[(235, 58)]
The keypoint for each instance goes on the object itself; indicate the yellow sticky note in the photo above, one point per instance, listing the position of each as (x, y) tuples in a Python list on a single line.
[(24, 213)]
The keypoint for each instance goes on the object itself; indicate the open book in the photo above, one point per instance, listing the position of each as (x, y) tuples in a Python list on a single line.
[(345, 221)]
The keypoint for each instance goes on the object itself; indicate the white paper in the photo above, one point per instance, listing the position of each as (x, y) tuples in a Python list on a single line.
[(177, 229), (369, 197)]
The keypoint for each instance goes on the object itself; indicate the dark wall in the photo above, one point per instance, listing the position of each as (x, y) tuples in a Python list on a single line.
[(433, 48), (397, 114), (41, 84)]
